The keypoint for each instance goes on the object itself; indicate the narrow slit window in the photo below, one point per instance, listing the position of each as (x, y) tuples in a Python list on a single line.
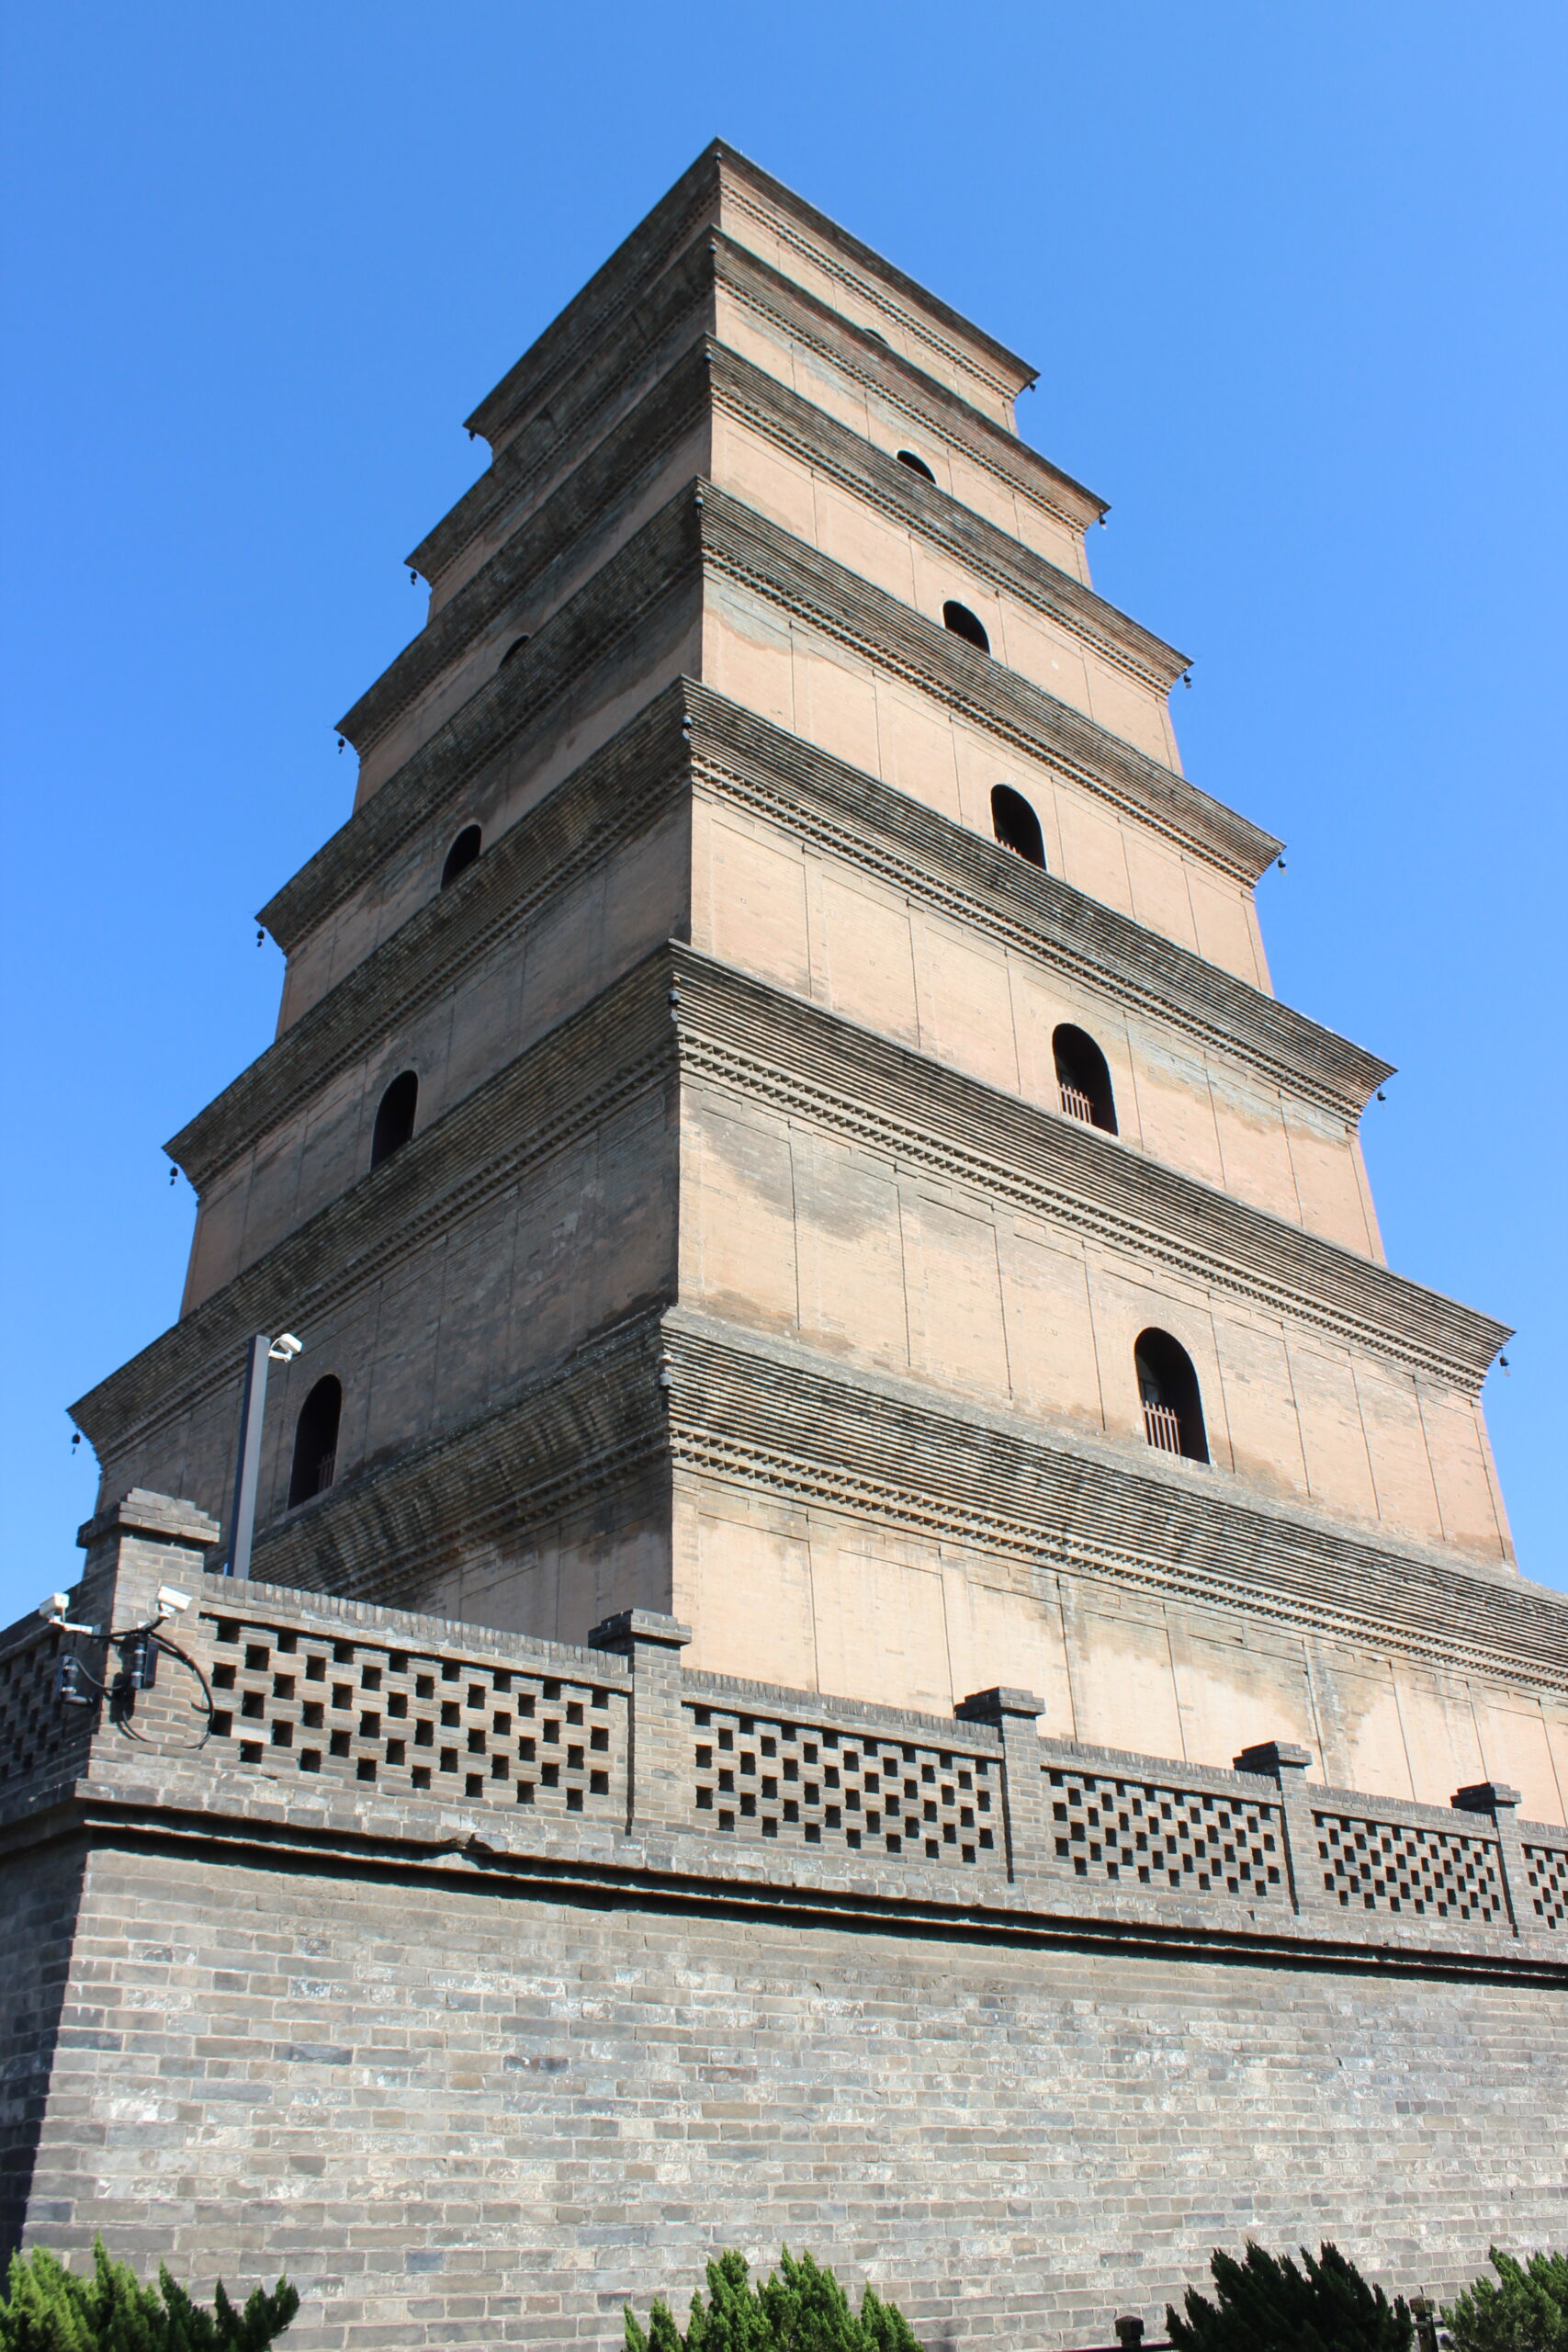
[(462, 853), (1167, 1390), (394, 1118), (315, 1442), (1015, 824), (966, 625), (1083, 1075), (916, 465)]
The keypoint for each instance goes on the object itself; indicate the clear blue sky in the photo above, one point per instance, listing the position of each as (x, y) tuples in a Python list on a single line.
[(1292, 276)]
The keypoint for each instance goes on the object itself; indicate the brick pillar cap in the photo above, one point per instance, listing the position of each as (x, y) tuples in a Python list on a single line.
[(1486, 1797), (1270, 1757), (142, 1512), (630, 1627), (990, 1706)]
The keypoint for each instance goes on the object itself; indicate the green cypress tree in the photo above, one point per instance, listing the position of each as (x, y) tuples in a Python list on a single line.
[(802, 2308), (1265, 2303), (49, 2308), (1526, 2311)]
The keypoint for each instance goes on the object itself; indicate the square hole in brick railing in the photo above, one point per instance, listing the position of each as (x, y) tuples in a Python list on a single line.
[(421, 1776), (343, 1653), (225, 1630)]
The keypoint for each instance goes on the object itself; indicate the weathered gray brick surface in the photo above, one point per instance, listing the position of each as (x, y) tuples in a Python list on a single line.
[(469, 2119)]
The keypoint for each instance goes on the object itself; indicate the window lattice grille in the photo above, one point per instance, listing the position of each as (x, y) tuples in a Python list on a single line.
[(761, 1776), (415, 1723), (1546, 1870), (1397, 1867), (1187, 1841)]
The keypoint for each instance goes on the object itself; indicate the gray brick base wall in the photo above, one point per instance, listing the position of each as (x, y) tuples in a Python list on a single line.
[(469, 2119), (482, 1983)]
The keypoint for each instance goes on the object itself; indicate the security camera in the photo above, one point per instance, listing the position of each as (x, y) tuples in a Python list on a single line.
[(169, 1599), (285, 1348), (52, 1612)]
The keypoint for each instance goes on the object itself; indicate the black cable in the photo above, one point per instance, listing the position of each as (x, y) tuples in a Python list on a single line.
[(182, 1748)]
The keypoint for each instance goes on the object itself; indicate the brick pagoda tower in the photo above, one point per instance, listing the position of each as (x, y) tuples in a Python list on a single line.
[(872, 1621), (823, 1033)]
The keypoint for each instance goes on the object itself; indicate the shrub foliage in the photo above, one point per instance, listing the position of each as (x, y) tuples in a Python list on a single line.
[(1265, 2302), (1527, 2310), (51, 2309), (802, 2308)]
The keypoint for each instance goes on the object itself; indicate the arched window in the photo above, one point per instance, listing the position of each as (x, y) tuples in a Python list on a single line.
[(916, 465), (966, 625), (394, 1118), (1084, 1077), (462, 853), (516, 647), (1167, 1385), (1015, 824), (315, 1442)]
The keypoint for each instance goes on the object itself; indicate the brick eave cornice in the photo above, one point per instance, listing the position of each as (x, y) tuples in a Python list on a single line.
[(706, 370), (618, 1046), (682, 300), (549, 534), (804, 1061), (798, 786), (759, 554), (659, 559), (1012, 374), (689, 737), (870, 360), (619, 789), (937, 516), (703, 525), (682, 213), (680, 1012), (747, 1406)]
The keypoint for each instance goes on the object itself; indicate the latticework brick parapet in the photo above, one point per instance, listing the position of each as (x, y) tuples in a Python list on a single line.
[(332, 1710)]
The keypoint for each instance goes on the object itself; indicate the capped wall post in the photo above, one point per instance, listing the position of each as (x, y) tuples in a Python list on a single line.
[(1286, 1764), (658, 1757), (1026, 1810), (1500, 1804)]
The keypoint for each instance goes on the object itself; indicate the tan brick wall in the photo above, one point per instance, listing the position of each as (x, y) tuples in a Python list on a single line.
[(844, 1606)]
